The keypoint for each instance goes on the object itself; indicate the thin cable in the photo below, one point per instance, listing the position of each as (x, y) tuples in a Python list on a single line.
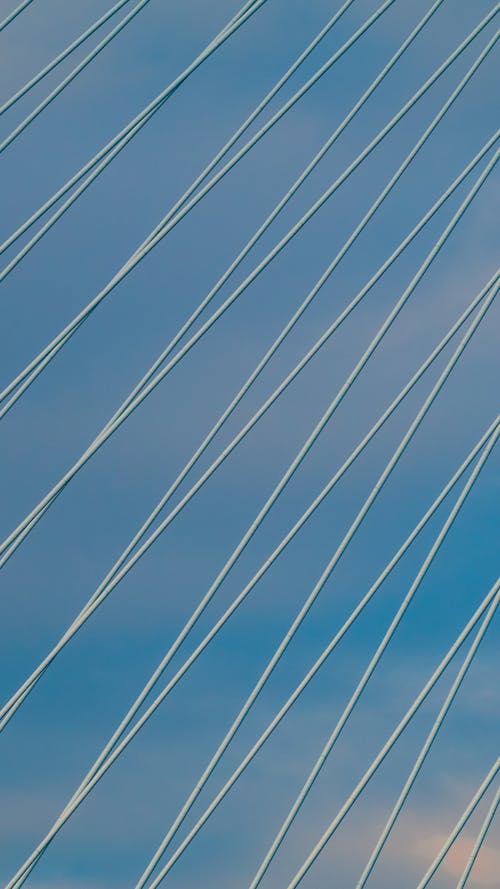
[(428, 744), (476, 799), (292, 468), (179, 355), (479, 841), (386, 748), (284, 201), (72, 74), (15, 12), (62, 55), (123, 137), (157, 103), (105, 588), (297, 622), (20, 876), (339, 635), (151, 242), (200, 178)]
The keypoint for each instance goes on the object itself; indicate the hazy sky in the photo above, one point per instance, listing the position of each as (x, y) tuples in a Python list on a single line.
[(58, 732)]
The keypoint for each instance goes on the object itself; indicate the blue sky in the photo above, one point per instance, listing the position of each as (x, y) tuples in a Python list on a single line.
[(56, 735)]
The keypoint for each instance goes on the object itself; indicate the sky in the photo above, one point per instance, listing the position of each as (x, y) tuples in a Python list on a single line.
[(60, 729)]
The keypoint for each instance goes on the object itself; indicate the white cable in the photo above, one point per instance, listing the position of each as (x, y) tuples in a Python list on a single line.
[(284, 201), (194, 185), (162, 230), (61, 56), (295, 463), (479, 841), (115, 575), (15, 12), (381, 756), (18, 880), (300, 618), (419, 762), (476, 799), (10, 707), (124, 136), (340, 634), (74, 73), (33, 516)]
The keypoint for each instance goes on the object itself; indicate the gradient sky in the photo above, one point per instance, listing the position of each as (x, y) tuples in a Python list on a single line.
[(57, 734)]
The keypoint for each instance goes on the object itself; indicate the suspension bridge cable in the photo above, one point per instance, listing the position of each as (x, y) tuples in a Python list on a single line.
[(145, 115), (151, 242), (57, 342), (71, 76), (297, 622), (71, 48), (61, 56), (106, 761), (15, 12), (419, 762), (196, 182), (121, 138), (337, 638), (295, 463), (8, 710), (320, 762), (476, 799), (78, 68), (282, 203), (479, 841), (375, 764), (262, 229), (298, 368), (104, 589), (18, 880), (33, 517)]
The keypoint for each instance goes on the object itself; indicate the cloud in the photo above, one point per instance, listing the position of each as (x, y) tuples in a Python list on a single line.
[(486, 868)]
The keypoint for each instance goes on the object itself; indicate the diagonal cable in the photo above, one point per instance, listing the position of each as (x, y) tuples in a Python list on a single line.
[(476, 799), (15, 12), (490, 815), (300, 456), (305, 610), (30, 520)]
